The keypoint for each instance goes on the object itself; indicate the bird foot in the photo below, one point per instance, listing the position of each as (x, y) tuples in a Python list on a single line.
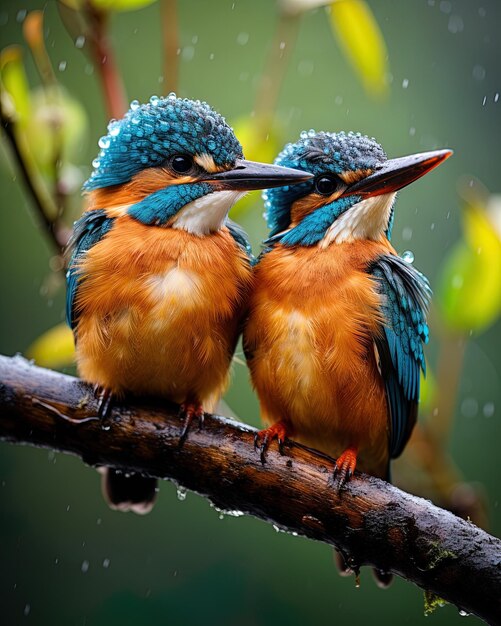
[(189, 411), (105, 399), (262, 439), (344, 468)]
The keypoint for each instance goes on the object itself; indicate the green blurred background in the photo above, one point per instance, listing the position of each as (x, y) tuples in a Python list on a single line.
[(66, 558)]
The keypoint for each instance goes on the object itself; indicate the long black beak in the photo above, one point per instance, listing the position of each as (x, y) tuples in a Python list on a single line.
[(397, 173), (249, 175)]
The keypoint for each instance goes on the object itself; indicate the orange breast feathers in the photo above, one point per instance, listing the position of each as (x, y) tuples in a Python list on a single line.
[(159, 311), (313, 315)]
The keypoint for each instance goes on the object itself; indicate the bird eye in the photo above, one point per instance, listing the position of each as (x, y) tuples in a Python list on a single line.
[(181, 163), (327, 185)]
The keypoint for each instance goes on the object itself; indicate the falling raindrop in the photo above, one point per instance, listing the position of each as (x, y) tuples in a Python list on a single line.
[(478, 72), (242, 38), (405, 83), (62, 66), (80, 41), (85, 566), (408, 256), (188, 53), (469, 407), (27, 610), (305, 68), (455, 24), (446, 6), (407, 233), (488, 409), (106, 563)]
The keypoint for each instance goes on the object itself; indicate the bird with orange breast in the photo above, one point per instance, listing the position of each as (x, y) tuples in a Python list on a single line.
[(337, 320), (159, 277)]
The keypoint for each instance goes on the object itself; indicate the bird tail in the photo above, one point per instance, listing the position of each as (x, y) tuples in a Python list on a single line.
[(128, 492)]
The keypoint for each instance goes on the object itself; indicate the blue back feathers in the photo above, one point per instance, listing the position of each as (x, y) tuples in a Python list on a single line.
[(406, 295), (318, 153), (87, 231), (150, 133)]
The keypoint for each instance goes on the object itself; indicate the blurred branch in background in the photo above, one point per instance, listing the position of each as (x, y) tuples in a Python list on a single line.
[(170, 38), (14, 111), (370, 521)]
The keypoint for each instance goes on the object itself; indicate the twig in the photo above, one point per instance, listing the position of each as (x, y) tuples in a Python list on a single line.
[(170, 38), (275, 69), (105, 62), (57, 233), (370, 521)]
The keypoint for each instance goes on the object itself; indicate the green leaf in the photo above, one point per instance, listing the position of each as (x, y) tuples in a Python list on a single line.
[(14, 81), (54, 349), (258, 145), (58, 125), (469, 292), (361, 40)]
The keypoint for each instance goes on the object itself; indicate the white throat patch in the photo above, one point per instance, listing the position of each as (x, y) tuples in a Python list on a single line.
[(367, 219), (206, 214)]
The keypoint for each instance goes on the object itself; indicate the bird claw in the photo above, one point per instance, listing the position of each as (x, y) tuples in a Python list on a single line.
[(104, 404), (189, 411), (344, 468), (263, 439)]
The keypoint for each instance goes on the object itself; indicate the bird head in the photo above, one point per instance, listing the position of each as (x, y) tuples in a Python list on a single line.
[(352, 191), (176, 162)]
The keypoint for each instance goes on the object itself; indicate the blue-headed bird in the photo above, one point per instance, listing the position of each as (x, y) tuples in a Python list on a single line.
[(159, 276), (337, 320)]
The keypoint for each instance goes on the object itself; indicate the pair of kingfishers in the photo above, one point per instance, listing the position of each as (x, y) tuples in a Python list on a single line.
[(161, 284)]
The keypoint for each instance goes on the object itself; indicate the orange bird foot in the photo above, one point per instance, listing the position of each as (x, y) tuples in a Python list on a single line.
[(263, 438), (345, 466), (189, 411)]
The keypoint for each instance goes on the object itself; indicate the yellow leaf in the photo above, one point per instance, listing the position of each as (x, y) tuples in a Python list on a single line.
[(469, 293), (121, 5), (257, 146), (14, 81), (54, 349), (362, 42)]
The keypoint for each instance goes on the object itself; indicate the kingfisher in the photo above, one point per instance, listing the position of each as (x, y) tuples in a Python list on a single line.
[(337, 320), (158, 276)]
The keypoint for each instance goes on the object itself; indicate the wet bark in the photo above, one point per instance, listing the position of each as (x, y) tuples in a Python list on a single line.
[(370, 521)]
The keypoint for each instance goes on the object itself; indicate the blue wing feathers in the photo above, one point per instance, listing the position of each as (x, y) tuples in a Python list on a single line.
[(87, 231), (406, 295)]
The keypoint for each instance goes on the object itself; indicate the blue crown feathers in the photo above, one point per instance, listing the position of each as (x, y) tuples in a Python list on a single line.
[(318, 153), (150, 133)]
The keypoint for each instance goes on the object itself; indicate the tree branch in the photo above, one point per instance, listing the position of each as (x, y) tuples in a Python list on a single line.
[(370, 521)]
